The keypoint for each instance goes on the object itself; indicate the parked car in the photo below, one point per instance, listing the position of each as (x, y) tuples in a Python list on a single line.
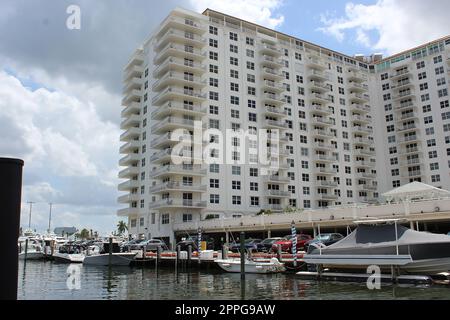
[(266, 244), (193, 241), (131, 245), (152, 245), (286, 243), (250, 244), (325, 238)]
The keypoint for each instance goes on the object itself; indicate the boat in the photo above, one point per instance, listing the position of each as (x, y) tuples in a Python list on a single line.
[(251, 266), (388, 245), (105, 258), (34, 250), (69, 254)]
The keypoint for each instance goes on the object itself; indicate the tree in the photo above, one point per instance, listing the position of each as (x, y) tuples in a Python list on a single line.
[(84, 234), (122, 227)]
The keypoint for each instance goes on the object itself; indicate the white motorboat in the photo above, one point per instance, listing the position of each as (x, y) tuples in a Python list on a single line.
[(33, 251), (69, 254), (251, 266), (105, 258)]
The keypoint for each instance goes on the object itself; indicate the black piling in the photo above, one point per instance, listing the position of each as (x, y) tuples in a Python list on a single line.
[(177, 262), (110, 251), (242, 239), (10, 198), (189, 257), (26, 250)]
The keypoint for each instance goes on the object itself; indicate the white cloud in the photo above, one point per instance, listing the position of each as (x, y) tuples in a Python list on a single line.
[(400, 25), (257, 11), (70, 152)]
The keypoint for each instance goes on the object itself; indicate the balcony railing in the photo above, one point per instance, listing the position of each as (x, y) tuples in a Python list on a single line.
[(178, 203), (177, 185), (178, 169)]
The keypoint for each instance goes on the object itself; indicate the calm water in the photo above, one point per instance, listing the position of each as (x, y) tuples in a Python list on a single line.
[(47, 280)]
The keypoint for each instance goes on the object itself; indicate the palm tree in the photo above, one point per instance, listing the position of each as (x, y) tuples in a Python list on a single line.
[(122, 227), (84, 234)]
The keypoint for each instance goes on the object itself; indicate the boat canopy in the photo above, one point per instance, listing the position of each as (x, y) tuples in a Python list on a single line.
[(415, 190), (384, 235)]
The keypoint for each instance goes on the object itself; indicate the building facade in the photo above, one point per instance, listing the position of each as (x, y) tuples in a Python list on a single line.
[(201, 78)]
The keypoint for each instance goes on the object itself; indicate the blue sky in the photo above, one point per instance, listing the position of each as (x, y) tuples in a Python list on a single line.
[(60, 90)]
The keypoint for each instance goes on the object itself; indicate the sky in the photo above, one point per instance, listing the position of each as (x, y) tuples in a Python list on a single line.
[(60, 89)]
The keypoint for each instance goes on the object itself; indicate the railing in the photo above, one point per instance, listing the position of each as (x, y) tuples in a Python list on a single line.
[(171, 105), (178, 169), (185, 36), (190, 93), (278, 193), (178, 203), (180, 63), (178, 185), (173, 120)]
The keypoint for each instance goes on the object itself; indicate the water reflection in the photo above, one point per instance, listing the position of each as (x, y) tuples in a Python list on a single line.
[(46, 280)]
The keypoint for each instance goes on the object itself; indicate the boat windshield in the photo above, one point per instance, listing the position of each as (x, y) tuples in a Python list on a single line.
[(323, 237)]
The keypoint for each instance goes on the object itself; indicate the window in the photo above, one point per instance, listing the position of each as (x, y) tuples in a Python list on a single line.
[(214, 199), (254, 201), (165, 218), (252, 117), (236, 171), (428, 120), (250, 53), (236, 200), (213, 55), (236, 185), (234, 86), (251, 104), (214, 168), (213, 68), (234, 74), (233, 36), (249, 41), (234, 100), (250, 65), (214, 110), (253, 172), (234, 61), (233, 48), (253, 186), (422, 75), (214, 183), (213, 30), (213, 43)]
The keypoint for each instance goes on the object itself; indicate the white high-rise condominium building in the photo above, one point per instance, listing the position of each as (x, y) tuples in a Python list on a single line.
[(341, 120)]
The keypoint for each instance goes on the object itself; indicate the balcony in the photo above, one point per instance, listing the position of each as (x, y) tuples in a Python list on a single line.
[(319, 86), (128, 198), (165, 171), (357, 87), (273, 207), (131, 84), (320, 76), (413, 174), (364, 164), (133, 72), (324, 159), (172, 64), (404, 106), (278, 179), (172, 123), (175, 107), (327, 197), (327, 184), (270, 50), (316, 63), (362, 130), (409, 139), (363, 142), (128, 212), (180, 79), (177, 186), (366, 176), (129, 172), (132, 108), (271, 98), (128, 185), (137, 59), (320, 110), (367, 187), (355, 76), (181, 24), (171, 93), (407, 116), (180, 51), (273, 86), (319, 121), (273, 111), (402, 73), (361, 119), (402, 84), (323, 146), (278, 194), (326, 171), (322, 134), (359, 108), (410, 162), (130, 134), (130, 147), (359, 98), (319, 98), (162, 156), (173, 35), (271, 62), (274, 124), (178, 203), (272, 74), (169, 139), (364, 152), (408, 128), (131, 159), (404, 95), (410, 151), (369, 200), (131, 97), (130, 122)]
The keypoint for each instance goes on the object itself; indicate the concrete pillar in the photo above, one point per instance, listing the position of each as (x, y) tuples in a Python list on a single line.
[(269, 233), (227, 237), (411, 225)]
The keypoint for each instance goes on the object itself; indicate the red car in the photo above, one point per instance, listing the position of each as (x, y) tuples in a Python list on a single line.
[(286, 243)]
